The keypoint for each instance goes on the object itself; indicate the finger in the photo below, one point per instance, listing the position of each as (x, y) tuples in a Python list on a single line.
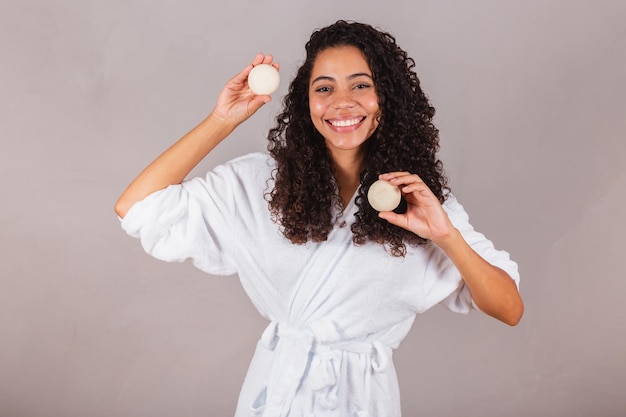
[(387, 176), (393, 218), (400, 178), (242, 77), (416, 186), (409, 184), (259, 59), (257, 102), (269, 60), (404, 180)]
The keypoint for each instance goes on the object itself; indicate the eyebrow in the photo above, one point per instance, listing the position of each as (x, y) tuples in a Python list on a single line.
[(350, 77)]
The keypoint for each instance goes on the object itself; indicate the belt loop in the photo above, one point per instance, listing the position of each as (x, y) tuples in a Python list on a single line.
[(381, 356), (269, 338)]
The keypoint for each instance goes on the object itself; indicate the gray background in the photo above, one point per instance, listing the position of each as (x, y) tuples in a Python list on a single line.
[(531, 107)]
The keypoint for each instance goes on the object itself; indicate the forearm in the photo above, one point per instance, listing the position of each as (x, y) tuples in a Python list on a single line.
[(173, 165), (492, 289)]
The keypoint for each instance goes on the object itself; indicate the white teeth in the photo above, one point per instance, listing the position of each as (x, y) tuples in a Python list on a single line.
[(344, 123)]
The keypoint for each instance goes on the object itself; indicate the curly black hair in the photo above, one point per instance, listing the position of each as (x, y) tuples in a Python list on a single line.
[(305, 192)]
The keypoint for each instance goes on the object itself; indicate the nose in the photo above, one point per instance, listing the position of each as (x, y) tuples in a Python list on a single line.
[(343, 99)]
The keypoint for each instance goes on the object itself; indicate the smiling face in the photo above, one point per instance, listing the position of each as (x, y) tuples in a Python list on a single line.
[(343, 100)]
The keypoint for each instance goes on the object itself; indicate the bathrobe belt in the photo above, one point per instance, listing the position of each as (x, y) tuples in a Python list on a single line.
[(314, 351)]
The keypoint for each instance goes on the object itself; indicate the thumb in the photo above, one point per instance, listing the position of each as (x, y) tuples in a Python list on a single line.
[(257, 102), (391, 217)]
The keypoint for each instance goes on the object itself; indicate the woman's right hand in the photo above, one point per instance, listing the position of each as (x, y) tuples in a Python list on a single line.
[(236, 102)]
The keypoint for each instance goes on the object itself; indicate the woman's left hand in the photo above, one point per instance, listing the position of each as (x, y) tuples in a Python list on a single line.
[(492, 289), (424, 215)]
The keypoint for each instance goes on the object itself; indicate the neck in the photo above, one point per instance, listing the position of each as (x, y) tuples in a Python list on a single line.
[(347, 171)]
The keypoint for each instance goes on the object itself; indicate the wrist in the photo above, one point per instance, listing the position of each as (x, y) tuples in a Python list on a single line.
[(449, 240), (220, 124)]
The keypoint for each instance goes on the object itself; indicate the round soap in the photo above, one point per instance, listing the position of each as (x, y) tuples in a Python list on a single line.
[(383, 196), (263, 79)]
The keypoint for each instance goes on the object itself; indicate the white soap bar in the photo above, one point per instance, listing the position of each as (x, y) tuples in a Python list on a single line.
[(383, 196), (263, 79)]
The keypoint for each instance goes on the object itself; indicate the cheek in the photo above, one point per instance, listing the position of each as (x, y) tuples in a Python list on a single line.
[(316, 114), (372, 104), (375, 110), (316, 108)]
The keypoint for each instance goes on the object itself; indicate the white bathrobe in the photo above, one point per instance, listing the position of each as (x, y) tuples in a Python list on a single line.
[(336, 310)]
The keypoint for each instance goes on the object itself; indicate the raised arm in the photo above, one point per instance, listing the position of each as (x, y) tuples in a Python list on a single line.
[(492, 289), (235, 104)]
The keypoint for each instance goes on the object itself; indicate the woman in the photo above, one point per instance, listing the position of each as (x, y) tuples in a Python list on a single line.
[(340, 283)]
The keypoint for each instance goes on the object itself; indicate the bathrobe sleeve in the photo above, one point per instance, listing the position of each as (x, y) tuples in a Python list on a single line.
[(193, 220), (460, 300)]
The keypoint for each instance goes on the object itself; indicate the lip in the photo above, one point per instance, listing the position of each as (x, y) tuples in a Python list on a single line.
[(345, 124)]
